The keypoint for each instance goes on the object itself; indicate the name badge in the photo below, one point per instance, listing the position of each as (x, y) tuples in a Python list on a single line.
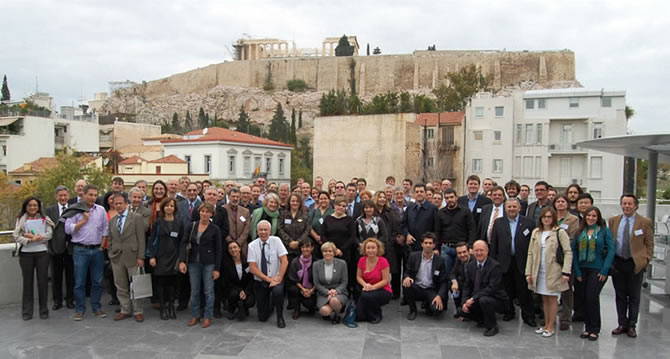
[(479, 210), (437, 272), (564, 226), (321, 220), (242, 219), (525, 232), (299, 219), (247, 270), (638, 232), (174, 234), (287, 221)]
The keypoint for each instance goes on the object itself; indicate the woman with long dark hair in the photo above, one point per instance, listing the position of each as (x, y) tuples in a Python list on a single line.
[(239, 283), (593, 255), (32, 232)]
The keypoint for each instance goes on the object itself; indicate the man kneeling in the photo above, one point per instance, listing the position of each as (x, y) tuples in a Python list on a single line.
[(426, 279)]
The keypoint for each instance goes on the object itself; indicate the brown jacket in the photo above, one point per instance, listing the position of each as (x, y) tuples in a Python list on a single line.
[(293, 228), (572, 223), (554, 271), (641, 244), (238, 223)]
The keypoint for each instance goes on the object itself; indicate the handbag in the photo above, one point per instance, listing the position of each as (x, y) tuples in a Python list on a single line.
[(560, 256), (140, 285), (188, 243), (350, 315)]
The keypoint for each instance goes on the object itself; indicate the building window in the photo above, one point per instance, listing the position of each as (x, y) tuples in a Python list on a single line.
[(519, 134), (574, 101), (247, 166), (479, 111), (497, 166), (430, 162), (448, 135), (538, 134), (4, 150), (187, 158), (541, 103), (479, 135), (517, 166), (281, 167), (430, 133), (528, 166), (158, 170), (597, 130), (477, 165), (538, 167), (497, 136), (257, 164), (530, 104), (231, 166), (529, 134), (500, 111), (596, 167), (268, 165), (606, 102), (208, 163)]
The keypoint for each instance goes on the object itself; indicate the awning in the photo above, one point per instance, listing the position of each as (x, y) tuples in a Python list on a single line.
[(8, 121), (638, 146)]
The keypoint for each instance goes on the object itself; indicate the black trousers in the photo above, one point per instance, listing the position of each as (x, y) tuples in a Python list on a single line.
[(484, 311), (266, 297), (369, 304), (414, 293), (232, 294), (108, 275), (627, 288), (183, 289), (62, 263), (166, 286), (591, 300), (296, 298), (516, 286), (31, 263)]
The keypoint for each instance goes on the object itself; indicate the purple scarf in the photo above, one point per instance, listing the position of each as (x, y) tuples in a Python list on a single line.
[(303, 272)]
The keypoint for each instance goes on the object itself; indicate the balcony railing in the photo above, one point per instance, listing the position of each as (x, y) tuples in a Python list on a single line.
[(565, 148)]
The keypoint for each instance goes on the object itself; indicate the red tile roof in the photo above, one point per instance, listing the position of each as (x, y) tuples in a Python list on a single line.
[(132, 160), (226, 135), (169, 159), (44, 163), (444, 117)]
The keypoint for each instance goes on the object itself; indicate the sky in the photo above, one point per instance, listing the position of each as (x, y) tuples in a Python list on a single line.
[(73, 48)]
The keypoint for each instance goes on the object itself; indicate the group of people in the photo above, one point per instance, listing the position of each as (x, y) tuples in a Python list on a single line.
[(337, 248)]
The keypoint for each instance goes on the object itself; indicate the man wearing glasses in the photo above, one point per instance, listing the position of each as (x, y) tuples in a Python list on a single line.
[(541, 191)]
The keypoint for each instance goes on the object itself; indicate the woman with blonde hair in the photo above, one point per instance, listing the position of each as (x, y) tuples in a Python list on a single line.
[(373, 274)]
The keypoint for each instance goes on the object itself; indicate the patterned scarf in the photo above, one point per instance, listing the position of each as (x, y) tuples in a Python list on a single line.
[(587, 244), (303, 272)]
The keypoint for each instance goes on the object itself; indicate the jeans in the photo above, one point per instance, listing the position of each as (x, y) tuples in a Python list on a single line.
[(201, 274), (86, 259), (449, 255)]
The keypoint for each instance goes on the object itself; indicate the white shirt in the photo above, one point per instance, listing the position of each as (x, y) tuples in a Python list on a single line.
[(492, 219), (60, 208), (273, 250)]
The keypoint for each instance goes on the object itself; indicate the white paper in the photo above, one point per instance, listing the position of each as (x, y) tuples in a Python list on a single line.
[(35, 226)]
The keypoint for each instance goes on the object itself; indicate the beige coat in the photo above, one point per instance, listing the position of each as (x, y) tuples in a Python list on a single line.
[(553, 270)]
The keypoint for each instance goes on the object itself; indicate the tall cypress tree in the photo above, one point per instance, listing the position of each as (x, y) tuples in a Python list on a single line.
[(188, 123), (292, 136), (300, 119), (5, 90)]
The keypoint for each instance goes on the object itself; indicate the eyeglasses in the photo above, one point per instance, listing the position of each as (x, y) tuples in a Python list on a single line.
[(549, 217)]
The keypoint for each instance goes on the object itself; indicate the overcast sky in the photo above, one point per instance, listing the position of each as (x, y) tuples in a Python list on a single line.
[(74, 47)]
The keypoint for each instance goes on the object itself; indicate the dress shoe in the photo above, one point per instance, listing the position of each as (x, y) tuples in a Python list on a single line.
[(411, 316), (232, 315), (164, 314), (69, 304), (481, 325), (113, 301), (121, 316), (632, 333), (564, 326), (206, 323), (139, 317), (296, 314), (289, 306), (403, 301), (57, 306), (44, 315), (507, 317), (491, 332), (281, 323), (193, 322), (27, 317), (78, 317), (619, 330), (375, 320), (156, 306), (100, 314), (217, 314)]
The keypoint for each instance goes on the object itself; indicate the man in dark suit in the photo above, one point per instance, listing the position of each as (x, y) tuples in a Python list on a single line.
[(126, 252), (541, 192), (61, 252), (457, 275), (353, 207), (185, 212), (482, 292), (490, 213), (634, 241), (509, 246), (474, 200), (425, 279), (513, 189), (79, 189), (419, 217)]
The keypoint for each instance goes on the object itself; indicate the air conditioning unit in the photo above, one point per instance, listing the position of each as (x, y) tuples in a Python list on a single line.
[(574, 147), (552, 147), (575, 181)]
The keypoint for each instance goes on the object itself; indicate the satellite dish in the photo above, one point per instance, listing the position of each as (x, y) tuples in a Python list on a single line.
[(204, 131)]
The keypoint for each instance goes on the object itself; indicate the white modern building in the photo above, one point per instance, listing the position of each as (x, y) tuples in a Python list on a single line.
[(532, 136), (230, 155)]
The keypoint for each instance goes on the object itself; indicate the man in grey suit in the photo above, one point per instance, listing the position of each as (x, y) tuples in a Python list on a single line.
[(126, 252), (136, 196)]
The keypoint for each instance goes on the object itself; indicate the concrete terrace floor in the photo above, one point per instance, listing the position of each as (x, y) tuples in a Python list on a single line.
[(426, 337)]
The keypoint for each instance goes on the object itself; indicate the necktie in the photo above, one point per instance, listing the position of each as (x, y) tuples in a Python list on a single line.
[(625, 245), (264, 262), (190, 208), (119, 223), (478, 278), (62, 210), (495, 216), (350, 210)]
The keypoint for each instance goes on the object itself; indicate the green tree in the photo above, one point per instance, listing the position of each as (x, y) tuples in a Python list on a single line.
[(462, 85), (377, 51), (188, 123), (243, 122), (301, 160), (629, 112), (406, 105), (297, 85), (352, 76), (368, 50), (334, 103), (165, 127), (642, 169), (279, 129), (5, 90), (202, 119), (423, 104), (344, 48), (292, 136), (176, 125), (300, 119)]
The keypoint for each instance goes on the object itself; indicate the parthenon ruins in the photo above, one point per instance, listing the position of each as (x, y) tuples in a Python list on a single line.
[(254, 49)]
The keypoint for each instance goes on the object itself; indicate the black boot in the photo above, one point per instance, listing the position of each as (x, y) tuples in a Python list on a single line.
[(171, 312), (164, 311), (242, 311)]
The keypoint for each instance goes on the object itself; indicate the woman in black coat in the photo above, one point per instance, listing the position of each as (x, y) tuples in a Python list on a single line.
[(166, 235), (294, 226), (238, 283), (394, 247), (300, 284)]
